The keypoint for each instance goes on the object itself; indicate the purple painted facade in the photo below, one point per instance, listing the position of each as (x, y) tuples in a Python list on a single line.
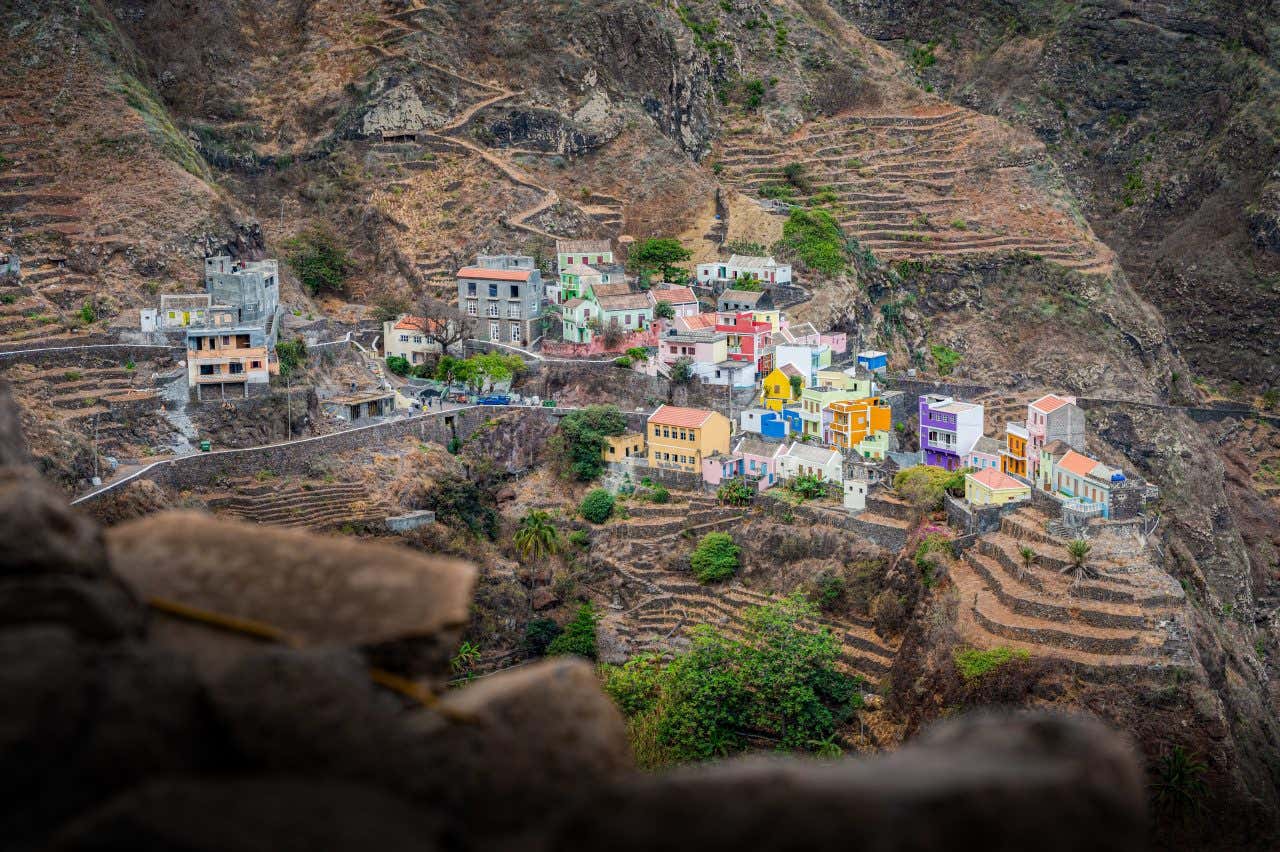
[(948, 430)]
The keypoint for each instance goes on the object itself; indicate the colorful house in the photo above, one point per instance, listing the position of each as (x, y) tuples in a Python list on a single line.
[(949, 429), (584, 252), (1013, 457), (1052, 417), (990, 487), (504, 294), (985, 454), (777, 390), (680, 438), (682, 299), (860, 424), (763, 269), (774, 425), (620, 447), (747, 338), (1087, 480), (816, 401), (802, 459), (809, 359), (752, 460), (1050, 454), (873, 360)]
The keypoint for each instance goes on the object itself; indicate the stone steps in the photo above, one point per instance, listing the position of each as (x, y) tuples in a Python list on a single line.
[(1023, 600)]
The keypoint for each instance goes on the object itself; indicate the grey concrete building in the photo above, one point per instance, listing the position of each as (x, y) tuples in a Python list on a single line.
[(503, 294)]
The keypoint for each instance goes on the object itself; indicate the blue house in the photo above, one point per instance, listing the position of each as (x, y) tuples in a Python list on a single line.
[(873, 360)]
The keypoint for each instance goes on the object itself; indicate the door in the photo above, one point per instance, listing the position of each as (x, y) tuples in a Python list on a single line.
[(495, 331)]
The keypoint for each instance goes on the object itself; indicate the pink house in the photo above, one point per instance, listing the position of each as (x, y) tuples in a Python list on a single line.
[(682, 299), (837, 340), (752, 459)]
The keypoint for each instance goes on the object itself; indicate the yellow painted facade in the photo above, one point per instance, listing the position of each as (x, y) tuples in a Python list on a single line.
[(1014, 459), (981, 494), (776, 391), (684, 447), (618, 447)]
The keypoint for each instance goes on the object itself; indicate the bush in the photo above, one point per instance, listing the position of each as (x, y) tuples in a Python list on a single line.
[(815, 237), (580, 539), (889, 613), (660, 254), (808, 486), (973, 663), (398, 364), (320, 263), (464, 504), (579, 440), (623, 361), (735, 492), (88, 313), (579, 636), (923, 485), (657, 493), (597, 506), (291, 354), (538, 636), (945, 357), (682, 371), (830, 590), (664, 310), (715, 558)]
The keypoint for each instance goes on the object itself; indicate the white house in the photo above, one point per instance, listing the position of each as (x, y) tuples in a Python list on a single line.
[(410, 338), (682, 299), (802, 459), (763, 269)]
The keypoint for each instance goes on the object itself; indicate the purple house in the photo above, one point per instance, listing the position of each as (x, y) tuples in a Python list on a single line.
[(948, 430)]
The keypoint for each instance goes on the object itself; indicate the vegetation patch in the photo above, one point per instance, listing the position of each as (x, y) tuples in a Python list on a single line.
[(579, 442), (715, 558), (945, 357), (815, 238), (973, 663), (319, 261), (170, 140), (579, 636), (597, 506)]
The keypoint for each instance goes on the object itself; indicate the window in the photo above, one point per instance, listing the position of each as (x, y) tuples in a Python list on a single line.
[(515, 291), (471, 310), (513, 312), (255, 365), (495, 331), (599, 259), (404, 338), (493, 291), (493, 309), (206, 369), (471, 288), (236, 367), (515, 332)]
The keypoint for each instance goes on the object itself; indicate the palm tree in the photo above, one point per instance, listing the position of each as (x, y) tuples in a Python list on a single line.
[(1028, 556), (536, 536), (1078, 549)]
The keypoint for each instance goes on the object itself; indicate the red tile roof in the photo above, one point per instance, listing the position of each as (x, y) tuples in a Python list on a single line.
[(411, 323), (495, 274), (994, 479), (1048, 403), (697, 322), (1078, 464), (675, 295), (670, 415)]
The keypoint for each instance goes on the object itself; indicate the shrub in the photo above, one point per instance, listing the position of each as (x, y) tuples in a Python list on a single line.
[(580, 539), (682, 370), (795, 175), (398, 364), (889, 613), (623, 361), (664, 310), (945, 357), (320, 263), (753, 94), (72, 375), (464, 504), (815, 237), (922, 485), (538, 636), (715, 558), (291, 354), (807, 486), (579, 636), (597, 506), (658, 493), (88, 313), (735, 492), (579, 440), (830, 590), (973, 663)]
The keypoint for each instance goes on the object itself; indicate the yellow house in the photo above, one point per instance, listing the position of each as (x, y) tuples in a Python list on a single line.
[(1013, 458), (680, 438), (990, 487), (777, 391), (855, 420), (617, 447)]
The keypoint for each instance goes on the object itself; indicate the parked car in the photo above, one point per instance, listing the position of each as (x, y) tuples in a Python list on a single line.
[(495, 399), (459, 397)]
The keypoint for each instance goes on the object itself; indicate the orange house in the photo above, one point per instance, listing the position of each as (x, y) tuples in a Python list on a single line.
[(856, 420), (1013, 458)]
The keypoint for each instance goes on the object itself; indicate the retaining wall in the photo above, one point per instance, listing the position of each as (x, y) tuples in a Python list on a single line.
[(74, 355)]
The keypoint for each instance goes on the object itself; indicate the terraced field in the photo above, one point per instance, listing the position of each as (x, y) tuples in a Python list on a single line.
[(303, 503), (665, 604), (1131, 616), (935, 182)]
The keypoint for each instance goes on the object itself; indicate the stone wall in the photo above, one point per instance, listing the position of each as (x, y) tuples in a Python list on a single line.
[(972, 519), (73, 355), (887, 538)]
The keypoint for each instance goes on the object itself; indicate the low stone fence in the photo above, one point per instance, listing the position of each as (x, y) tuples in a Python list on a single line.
[(200, 469), (974, 519), (1058, 638), (888, 538), (59, 356)]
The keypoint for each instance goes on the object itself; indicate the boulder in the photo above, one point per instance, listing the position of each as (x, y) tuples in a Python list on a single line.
[(219, 578), (265, 814), (545, 598), (991, 782), (41, 534)]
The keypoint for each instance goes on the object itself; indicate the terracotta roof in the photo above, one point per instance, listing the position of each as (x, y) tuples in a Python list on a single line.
[(993, 478), (573, 303), (1078, 464), (697, 322), (791, 370), (583, 246), (674, 295), (495, 274), (412, 323), (1056, 448), (671, 415), (1049, 403), (623, 302), (617, 288)]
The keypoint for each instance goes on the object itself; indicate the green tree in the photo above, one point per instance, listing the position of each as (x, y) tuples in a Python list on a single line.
[(1179, 783), (398, 364), (597, 506), (715, 558), (923, 486), (464, 504), (735, 492), (779, 680), (319, 260), (538, 635), (1028, 556), (660, 254), (682, 370), (797, 386), (537, 537), (291, 354), (638, 354), (664, 310), (945, 357), (579, 441), (579, 636)]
